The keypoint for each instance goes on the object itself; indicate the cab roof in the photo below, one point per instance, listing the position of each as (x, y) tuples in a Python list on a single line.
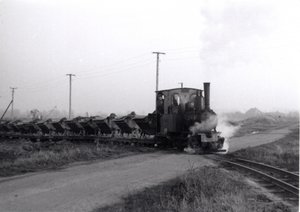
[(181, 89)]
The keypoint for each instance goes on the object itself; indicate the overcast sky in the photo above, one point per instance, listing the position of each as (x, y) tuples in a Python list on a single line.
[(248, 50)]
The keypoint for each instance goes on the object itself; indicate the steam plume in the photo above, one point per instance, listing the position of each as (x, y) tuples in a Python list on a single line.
[(227, 130), (205, 126)]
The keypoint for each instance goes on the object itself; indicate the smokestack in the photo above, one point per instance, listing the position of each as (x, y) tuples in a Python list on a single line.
[(206, 95)]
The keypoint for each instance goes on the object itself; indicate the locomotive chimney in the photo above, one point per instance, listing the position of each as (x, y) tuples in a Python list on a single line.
[(206, 95)]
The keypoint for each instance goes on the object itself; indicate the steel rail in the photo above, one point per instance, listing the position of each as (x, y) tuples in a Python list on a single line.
[(271, 168), (285, 186)]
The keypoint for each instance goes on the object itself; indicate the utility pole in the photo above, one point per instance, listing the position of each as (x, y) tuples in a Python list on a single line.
[(12, 101), (157, 72), (157, 67), (70, 93), (181, 84)]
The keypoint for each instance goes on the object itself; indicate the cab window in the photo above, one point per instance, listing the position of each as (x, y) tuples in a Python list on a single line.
[(160, 102), (192, 98), (190, 105), (176, 99)]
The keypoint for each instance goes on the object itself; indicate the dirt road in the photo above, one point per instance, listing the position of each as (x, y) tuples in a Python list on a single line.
[(85, 187), (256, 139)]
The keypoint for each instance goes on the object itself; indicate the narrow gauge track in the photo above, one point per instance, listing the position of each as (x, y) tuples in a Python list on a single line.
[(278, 180)]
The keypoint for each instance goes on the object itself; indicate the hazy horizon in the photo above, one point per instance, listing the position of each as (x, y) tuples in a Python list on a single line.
[(247, 50)]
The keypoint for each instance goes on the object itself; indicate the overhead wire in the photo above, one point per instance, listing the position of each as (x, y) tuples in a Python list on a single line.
[(108, 70), (183, 58), (113, 68), (131, 68), (45, 87), (33, 85), (185, 55), (121, 66), (180, 49), (41, 84), (115, 64), (57, 81)]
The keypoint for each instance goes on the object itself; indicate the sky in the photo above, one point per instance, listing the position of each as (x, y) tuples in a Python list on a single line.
[(248, 50)]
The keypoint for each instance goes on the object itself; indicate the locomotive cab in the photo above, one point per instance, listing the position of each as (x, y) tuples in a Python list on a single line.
[(177, 109)]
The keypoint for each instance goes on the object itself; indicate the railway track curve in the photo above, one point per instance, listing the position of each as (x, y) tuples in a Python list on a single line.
[(275, 179)]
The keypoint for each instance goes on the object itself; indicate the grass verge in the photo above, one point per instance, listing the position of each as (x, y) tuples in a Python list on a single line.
[(21, 156), (209, 189), (282, 153)]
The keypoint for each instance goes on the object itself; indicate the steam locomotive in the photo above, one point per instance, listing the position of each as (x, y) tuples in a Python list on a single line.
[(183, 118)]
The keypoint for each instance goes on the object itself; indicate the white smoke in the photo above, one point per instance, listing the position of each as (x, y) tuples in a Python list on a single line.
[(223, 126), (206, 125), (227, 130)]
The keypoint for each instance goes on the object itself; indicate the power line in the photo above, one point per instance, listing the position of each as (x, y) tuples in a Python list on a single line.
[(183, 58), (86, 73), (182, 49), (131, 68), (112, 66), (70, 93), (116, 63), (35, 87), (107, 69), (41, 84)]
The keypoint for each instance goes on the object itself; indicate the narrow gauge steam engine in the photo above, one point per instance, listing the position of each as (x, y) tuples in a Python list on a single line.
[(182, 119)]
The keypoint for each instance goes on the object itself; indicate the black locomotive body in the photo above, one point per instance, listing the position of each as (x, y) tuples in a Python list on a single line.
[(184, 118)]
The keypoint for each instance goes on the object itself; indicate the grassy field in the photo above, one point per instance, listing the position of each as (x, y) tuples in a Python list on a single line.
[(21, 156), (282, 153), (209, 189)]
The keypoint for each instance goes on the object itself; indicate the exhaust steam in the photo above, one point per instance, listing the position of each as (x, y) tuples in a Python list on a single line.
[(204, 126), (227, 130)]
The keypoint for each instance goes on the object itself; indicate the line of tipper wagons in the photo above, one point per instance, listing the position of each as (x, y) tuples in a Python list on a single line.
[(130, 125)]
